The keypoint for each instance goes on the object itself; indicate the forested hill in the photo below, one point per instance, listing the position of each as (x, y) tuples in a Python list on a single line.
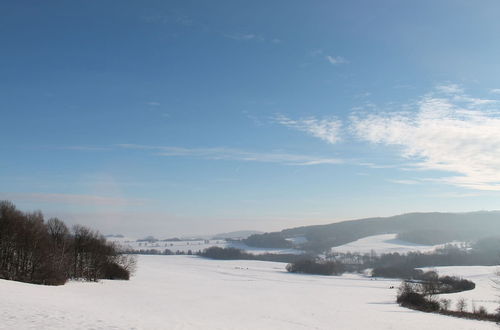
[(424, 228)]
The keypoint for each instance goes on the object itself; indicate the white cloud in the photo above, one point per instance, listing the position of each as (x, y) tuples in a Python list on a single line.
[(451, 132), (456, 93), (325, 129), (153, 104), (221, 153), (450, 89), (495, 90), (336, 60)]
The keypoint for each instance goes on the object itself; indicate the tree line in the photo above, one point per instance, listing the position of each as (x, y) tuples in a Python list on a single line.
[(316, 267), (41, 251), (230, 253)]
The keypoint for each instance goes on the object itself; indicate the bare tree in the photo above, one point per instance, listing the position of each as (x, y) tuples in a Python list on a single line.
[(48, 253), (461, 305)]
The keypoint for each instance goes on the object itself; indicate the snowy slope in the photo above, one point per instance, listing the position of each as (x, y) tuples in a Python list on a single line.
[(187, 292), (387, 243)]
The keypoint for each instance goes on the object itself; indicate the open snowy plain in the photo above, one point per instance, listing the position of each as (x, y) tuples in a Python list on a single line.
[(188, 292)]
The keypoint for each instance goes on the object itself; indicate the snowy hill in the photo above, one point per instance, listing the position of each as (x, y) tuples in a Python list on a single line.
[(422, 228), (240, 234), (387, 243)]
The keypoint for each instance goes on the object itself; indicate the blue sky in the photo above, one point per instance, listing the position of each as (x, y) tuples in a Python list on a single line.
[(190, 117)]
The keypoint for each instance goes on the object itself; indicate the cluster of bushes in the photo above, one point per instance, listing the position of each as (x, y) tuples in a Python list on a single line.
[(229, 253), (430, 280), (48, 252), (411, 295), (403, 271), (317, 267), (420, 296), (451, 284)]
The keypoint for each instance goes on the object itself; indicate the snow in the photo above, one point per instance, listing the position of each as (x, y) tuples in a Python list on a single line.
[(485, 294), (387, 243), (188, 292), (195, 246)]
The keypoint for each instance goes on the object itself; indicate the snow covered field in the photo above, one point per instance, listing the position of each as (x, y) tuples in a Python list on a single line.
[(194, 246), (187, 292), (387, 243), (483, 295)]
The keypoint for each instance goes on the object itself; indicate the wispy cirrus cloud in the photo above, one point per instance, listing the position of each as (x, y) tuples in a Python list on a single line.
[(325, 129), (251, 37), (244, 36), (336, 60), (447, 131), (222, 153), (405, 181), (85, 148), (73, 199)]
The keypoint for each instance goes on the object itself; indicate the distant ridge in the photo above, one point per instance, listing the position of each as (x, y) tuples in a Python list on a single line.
[(240, 234), (418, 227)]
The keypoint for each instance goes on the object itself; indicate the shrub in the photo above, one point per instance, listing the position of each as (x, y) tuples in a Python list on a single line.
[(409, 296), (113, 271), (461, 305)]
